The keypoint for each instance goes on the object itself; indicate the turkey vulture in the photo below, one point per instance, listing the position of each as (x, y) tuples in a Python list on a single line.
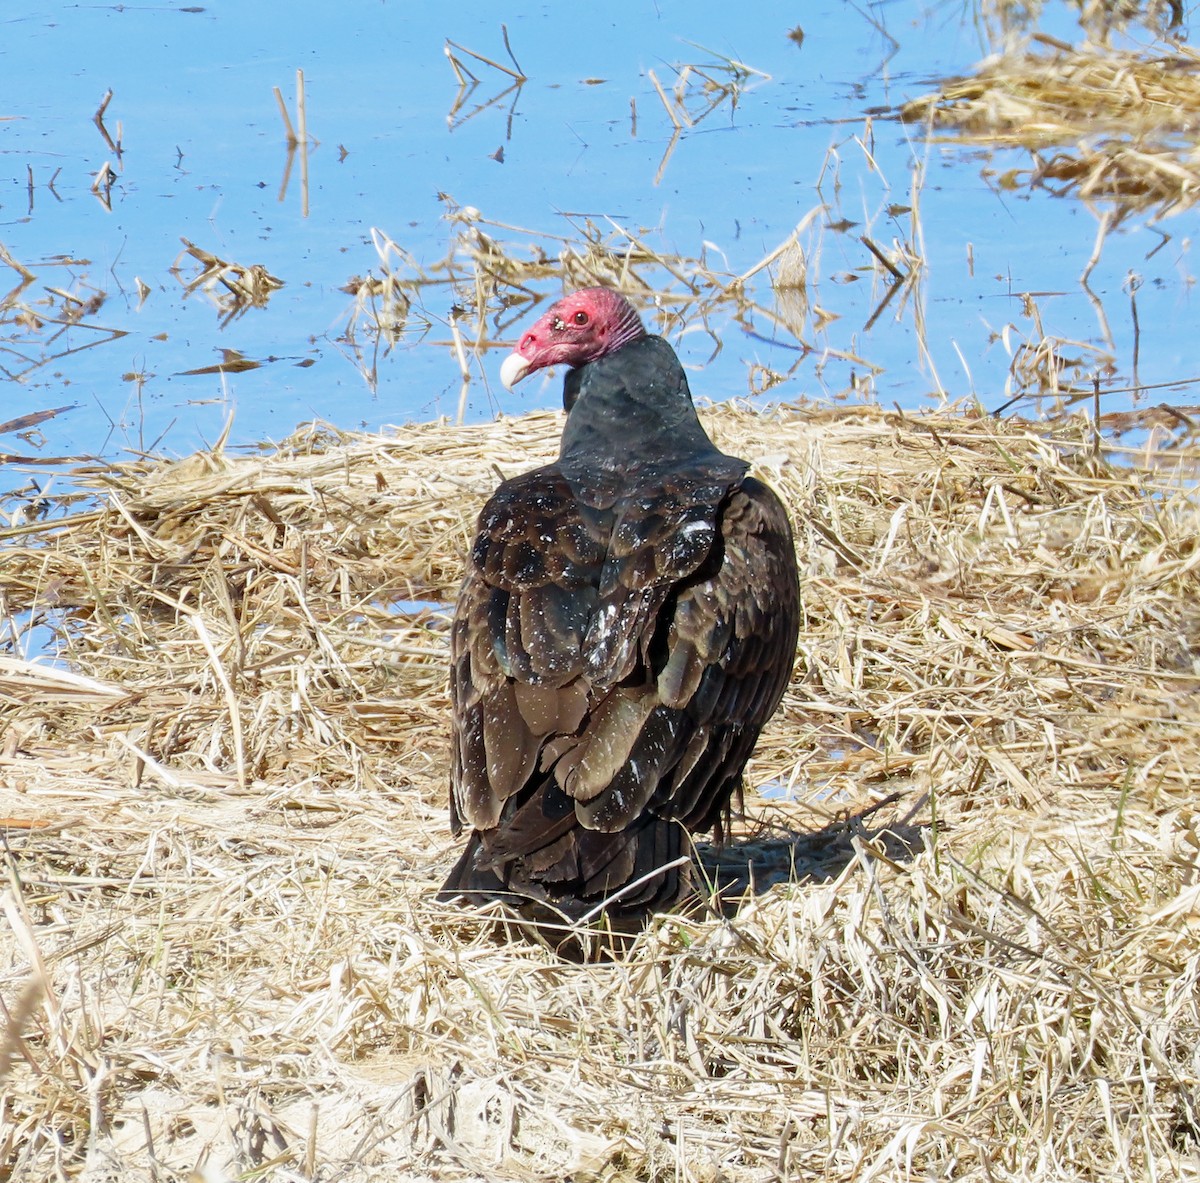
[(626, 626)]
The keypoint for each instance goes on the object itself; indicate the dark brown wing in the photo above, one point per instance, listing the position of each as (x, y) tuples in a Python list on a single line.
[(558, 607), (613, 666), (716, 667)]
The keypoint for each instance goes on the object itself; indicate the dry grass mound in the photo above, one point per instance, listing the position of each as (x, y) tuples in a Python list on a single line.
[(969, 948)]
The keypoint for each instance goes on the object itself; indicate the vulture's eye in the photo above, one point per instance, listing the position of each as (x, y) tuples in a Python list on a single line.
[(581, 318)]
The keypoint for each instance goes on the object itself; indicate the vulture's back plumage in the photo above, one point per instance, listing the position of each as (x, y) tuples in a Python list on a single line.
[(626, 626)]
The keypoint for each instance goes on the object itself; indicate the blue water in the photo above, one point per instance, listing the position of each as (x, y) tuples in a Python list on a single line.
[(204, 157)]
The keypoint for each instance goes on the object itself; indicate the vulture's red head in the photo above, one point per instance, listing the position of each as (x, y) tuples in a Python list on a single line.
[(575, 330)]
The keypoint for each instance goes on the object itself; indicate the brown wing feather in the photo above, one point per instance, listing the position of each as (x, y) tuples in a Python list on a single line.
[(517, 641), (743, 630)]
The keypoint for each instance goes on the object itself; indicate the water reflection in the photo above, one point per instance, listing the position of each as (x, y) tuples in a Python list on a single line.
[(1005, 21)]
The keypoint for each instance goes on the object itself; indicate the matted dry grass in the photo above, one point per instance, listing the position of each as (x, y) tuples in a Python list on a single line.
[(220, 952)]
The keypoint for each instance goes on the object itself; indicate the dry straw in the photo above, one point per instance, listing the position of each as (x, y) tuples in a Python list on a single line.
[(967, 949)]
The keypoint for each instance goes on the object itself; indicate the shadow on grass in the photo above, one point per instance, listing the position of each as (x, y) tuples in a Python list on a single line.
[(753, 866)]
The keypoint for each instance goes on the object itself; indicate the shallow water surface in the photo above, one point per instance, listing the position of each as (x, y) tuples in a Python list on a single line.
[(113, 324)]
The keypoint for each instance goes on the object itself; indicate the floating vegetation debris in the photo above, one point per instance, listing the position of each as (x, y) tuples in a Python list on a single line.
[(971, 910), (700, 89), (233, 361), (26, 426), (244, 287), (1105, 125), (495, 274), (36, 328)]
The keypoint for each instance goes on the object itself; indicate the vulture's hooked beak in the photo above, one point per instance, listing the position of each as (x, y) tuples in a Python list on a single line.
[(513, 369)]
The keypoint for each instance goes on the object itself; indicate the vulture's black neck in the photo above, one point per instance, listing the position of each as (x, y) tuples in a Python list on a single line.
[(631, 409)]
